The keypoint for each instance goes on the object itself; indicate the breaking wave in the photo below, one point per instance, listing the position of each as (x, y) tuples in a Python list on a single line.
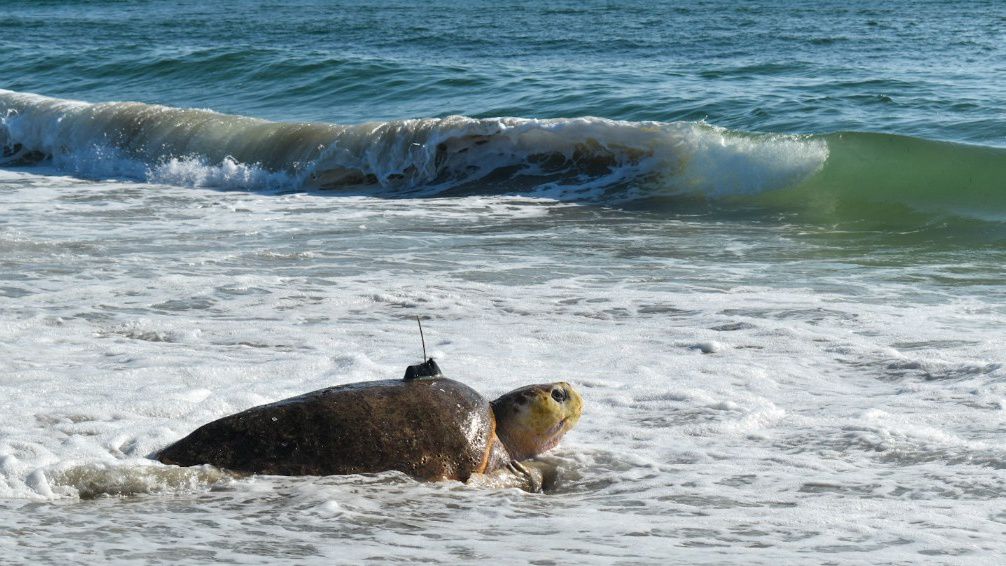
[(841, 175), (569, 157)]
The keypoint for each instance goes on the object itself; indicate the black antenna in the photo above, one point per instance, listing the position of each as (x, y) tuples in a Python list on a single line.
[(427, 369), (421, 337)]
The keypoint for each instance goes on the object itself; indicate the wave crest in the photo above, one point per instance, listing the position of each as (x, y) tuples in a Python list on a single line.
[(577, 158)]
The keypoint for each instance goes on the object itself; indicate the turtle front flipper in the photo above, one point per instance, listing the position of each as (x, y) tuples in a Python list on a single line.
[(533, 476)]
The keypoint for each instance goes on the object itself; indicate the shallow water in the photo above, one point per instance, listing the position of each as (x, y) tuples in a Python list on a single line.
[(831, 384), (777, 367)]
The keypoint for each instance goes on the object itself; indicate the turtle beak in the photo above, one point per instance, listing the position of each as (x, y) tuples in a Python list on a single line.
[(569, 409), (571, 403)]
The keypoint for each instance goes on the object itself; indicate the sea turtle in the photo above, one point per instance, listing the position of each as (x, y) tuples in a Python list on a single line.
[(425, 425)]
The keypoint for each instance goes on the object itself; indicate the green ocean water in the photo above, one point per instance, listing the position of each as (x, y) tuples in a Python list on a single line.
[(923, 69), (906, 97)]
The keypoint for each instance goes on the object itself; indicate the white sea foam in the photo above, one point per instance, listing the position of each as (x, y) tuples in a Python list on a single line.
[(228, 174), (734, 402)]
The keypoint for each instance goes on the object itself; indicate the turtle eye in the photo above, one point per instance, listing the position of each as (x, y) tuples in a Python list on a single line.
[(559, 395)]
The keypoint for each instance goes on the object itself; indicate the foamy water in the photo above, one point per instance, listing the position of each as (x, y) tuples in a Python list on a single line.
[(733, 411)]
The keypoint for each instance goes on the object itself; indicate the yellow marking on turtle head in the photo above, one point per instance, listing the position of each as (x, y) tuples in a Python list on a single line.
[(533, 419)]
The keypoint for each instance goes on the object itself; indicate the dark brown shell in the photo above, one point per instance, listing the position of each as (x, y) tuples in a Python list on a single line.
[(427, 428)]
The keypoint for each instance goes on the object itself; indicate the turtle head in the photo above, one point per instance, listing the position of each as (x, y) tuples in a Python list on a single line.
[(533, 419)]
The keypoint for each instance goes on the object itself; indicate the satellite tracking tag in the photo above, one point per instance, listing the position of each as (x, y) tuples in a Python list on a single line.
[(429, 368)]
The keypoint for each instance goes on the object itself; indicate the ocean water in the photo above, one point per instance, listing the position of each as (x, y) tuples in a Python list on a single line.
[(764, 240)]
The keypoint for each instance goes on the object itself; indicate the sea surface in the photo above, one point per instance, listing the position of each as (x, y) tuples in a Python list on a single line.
[(765, 240)]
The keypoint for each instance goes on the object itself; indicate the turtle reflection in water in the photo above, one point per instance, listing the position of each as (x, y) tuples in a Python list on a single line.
[(427, 426)]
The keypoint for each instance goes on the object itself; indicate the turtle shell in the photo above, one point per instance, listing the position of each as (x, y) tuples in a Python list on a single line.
[(430, 429)]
